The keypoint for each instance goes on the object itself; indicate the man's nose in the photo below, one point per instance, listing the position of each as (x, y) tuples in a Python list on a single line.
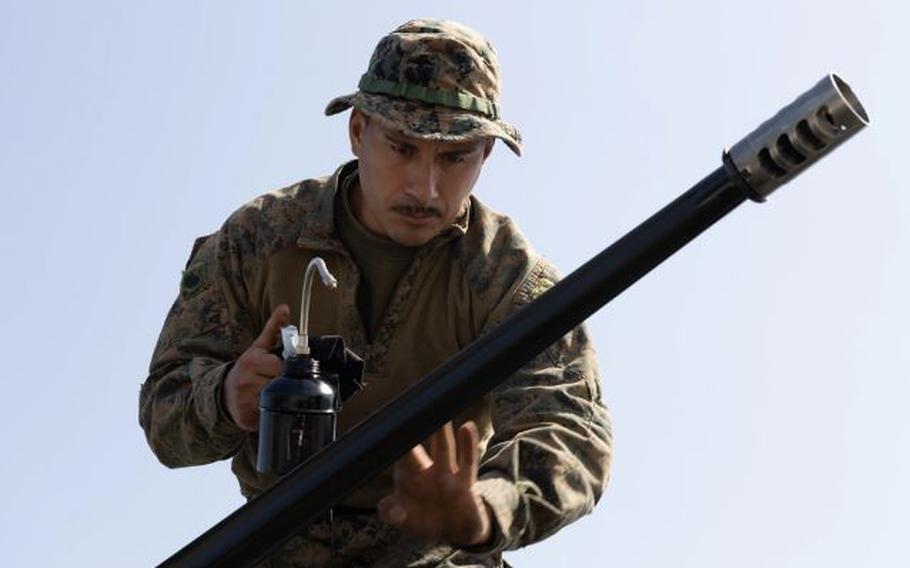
[(423, 182)]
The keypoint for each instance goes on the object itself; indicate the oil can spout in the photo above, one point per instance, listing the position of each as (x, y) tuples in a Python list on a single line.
[(315, 265)]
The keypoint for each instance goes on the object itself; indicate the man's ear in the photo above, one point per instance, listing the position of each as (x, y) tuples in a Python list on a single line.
[(357, 126)]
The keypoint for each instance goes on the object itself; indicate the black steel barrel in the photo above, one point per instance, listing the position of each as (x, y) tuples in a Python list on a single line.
[(779, 149)]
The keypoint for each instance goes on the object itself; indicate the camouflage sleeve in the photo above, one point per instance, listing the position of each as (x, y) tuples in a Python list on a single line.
[(180, 402), (548, 461)]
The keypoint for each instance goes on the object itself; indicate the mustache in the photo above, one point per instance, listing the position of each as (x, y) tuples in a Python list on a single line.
[(418, 210)]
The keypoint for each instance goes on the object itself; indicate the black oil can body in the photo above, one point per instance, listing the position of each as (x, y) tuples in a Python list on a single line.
[(297, 416)]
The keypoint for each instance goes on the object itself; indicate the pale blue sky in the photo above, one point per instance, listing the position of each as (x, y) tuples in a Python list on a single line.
[(757, 380)]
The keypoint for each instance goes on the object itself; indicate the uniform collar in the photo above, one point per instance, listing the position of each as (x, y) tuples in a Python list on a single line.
[(318, 229)]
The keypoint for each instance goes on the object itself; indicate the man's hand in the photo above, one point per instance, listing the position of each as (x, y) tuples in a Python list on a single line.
[(434, 497), (250, 373)]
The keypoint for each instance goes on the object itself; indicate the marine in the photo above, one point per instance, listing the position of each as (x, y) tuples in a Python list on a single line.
[(424, 268)]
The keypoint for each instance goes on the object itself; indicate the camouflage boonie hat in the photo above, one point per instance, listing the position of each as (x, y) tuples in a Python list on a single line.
[(435, 80)]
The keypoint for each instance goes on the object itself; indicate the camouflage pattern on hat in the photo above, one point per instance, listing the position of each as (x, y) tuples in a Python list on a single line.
[(435, 80)]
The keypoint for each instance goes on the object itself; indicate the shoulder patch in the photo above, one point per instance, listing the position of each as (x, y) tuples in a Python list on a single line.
[(193, 280), (195, 274)]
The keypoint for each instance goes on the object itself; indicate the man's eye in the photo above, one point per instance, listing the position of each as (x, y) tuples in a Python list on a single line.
[(454, 158), (401, 149)]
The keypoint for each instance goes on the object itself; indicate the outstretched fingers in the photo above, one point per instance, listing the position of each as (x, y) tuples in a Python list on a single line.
[(415, 461), (443, 449), (468, 453)]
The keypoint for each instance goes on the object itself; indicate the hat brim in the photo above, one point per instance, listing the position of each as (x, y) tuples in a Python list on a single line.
[(427, 121)]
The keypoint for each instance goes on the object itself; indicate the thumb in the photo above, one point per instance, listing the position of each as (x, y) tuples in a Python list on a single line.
[(391, 511), (272, 330)]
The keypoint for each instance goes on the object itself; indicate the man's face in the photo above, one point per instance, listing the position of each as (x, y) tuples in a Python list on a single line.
[(410, 189)]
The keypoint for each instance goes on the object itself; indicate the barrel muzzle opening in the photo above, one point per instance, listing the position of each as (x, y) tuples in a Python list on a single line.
[(804, 131), (850, 98)]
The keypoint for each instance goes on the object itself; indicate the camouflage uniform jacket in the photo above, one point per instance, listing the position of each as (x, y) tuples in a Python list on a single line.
[(545, 435)]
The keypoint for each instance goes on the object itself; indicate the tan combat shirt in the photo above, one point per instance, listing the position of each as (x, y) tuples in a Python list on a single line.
[(545, 434)]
